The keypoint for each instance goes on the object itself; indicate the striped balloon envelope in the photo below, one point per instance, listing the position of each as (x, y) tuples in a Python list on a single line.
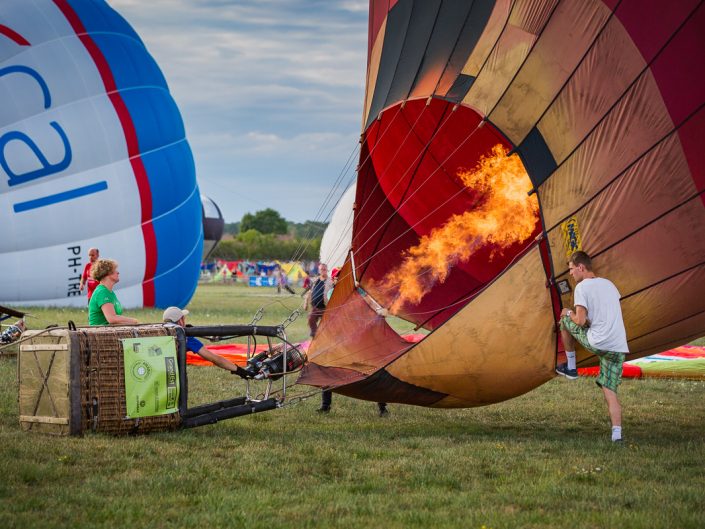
[(92, 154), (499, 137)]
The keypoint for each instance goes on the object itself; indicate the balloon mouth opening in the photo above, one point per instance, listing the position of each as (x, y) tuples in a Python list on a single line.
[(458, 209)]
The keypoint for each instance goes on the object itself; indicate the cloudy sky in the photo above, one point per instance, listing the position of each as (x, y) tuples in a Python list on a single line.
[(270, 91)]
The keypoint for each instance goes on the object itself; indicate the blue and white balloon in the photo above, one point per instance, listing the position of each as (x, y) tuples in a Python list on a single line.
[(92, 153)]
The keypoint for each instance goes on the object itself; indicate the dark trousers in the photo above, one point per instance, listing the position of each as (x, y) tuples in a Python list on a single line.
[(326, 398), (313, 319)]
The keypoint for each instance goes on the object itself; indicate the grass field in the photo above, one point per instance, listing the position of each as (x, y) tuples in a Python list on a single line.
[(541, 460)]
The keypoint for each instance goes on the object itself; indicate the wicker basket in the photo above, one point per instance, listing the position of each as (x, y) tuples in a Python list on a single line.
[(72, 381)]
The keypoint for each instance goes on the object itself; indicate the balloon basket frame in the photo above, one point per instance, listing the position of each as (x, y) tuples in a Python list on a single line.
[(72, 381)]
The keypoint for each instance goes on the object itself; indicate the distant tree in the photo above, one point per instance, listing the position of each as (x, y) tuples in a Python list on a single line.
[(310, 229), (264, 221), (252, 244), (232, 228)]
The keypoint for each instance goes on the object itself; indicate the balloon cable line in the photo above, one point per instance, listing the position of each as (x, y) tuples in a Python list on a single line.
[(400, 179), (334, 187), (392, 288), (235, 192), (464, 300), (309, 237), (349, 225), (402, 201), (399, 108), (460, 191), (407, 199), (438, 129), (386, 223), (392, 158), (350, 220)]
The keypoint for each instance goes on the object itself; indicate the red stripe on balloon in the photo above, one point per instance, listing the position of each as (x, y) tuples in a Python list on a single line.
[(13, 36), (133, 151)]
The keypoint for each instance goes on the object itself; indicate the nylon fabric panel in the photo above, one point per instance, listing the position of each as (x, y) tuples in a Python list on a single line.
[(477, 363), (372, 72), (663, 305), (634, 125), (457, 27), (45, 289), (382, 387), (377, 16), (644, 192), (663, 339), (374, 219), (413, 176), (98, 155), (351, 336), (691, 135), (325, 377), (518, 37), (488, 38), (394, 39), (475, 24), (650, 23), (664, 248), (602, 77), (413, 53), (681, 83), (550, 63)]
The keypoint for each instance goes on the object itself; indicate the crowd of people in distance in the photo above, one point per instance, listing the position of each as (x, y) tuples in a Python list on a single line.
[(284, 276)]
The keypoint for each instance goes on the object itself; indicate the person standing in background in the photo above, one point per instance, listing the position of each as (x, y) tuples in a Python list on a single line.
[(86, 279)]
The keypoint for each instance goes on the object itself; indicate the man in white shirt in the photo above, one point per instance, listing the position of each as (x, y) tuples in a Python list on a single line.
[(597, 324)]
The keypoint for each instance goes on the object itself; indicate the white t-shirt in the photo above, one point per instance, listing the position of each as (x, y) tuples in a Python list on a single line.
[(601, 299)]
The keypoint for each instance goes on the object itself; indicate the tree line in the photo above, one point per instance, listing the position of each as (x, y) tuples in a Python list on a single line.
[(266, 234)]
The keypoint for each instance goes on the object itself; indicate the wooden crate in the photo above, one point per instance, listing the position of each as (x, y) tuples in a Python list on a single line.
[(49, 381), (72, 381)]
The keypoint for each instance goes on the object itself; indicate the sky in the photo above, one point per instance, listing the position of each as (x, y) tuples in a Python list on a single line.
[(270, 91)]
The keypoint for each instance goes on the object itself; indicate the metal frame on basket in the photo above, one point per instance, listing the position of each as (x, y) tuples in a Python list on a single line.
[(236, 407)]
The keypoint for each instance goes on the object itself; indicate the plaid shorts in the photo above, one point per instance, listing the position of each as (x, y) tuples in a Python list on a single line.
[(610, 362)]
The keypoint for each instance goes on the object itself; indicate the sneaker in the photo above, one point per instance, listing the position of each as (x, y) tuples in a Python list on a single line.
[(570, 374), (323, 409)]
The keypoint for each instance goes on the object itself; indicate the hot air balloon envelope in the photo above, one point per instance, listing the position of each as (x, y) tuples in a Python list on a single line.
[(92, 154), (498, 138)]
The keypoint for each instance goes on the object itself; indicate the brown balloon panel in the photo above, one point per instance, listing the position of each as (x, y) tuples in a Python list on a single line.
[(605, 107)]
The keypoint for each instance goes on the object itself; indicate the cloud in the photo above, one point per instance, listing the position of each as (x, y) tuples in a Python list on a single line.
[(262, 85)]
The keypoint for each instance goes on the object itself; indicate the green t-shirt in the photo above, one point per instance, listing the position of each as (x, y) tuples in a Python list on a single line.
[(101, 296)]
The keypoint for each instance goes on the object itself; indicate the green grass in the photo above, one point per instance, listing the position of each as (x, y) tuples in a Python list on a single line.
[(541, 460)]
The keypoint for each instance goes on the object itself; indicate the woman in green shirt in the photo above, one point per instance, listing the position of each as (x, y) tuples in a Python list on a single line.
[(104, 307)]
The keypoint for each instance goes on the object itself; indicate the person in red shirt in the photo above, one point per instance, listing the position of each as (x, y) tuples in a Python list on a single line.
[(86, 279)]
